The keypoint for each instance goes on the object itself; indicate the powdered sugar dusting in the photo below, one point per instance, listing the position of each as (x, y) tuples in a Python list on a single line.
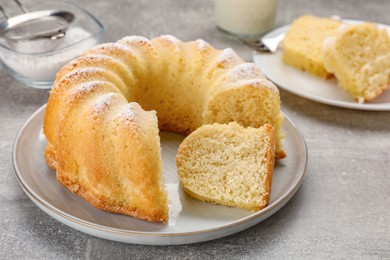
[(135, 38), (102, 102), (120, 46), (87, 87), (128, 114), (99, 47), (172, 39), (262, 82), (84, 72), (226, 56), (250, 74), (245, 71), (96, 57), (202, 45), (81, 90), (111, 46)]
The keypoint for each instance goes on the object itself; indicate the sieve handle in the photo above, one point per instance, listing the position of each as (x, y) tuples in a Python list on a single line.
[(22, 7), (4, 12)]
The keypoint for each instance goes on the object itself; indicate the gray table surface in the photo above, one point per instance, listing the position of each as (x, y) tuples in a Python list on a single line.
[(342, 209)]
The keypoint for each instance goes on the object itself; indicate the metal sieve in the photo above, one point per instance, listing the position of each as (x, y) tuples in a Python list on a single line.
[(34, 32)]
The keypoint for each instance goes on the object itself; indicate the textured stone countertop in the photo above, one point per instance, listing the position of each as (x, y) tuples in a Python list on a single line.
[(341, 211)]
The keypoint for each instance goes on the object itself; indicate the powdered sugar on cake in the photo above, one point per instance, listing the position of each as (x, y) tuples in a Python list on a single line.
[(135, 38), (245, 71), (172, 39), (112, 46), (227, 57), (103, 102), (202, 45), (262, 83), (86, 87), (128, 113), (84, 72)]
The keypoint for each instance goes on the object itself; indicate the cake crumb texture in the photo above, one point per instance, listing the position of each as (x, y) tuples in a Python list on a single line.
[(228, 164)]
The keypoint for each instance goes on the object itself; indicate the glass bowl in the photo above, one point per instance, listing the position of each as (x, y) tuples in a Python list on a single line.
[(39, 69)]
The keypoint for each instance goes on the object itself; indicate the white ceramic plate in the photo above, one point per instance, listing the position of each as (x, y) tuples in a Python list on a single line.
[(190, 221), (309, 86)]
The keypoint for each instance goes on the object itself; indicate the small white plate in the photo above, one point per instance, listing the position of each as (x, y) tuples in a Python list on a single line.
[(309, 86), (190, 221)]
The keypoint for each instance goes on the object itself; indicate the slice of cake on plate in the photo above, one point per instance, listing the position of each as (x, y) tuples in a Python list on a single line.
[(303, 43), (228, 164), (359, 56)]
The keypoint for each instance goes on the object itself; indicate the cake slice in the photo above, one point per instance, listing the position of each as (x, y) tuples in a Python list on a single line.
[(303, 42), (228, 164), (359, 56)]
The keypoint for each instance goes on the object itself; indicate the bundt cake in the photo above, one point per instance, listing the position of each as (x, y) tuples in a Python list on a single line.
[(101, 147), (359, 56), (303, 42), (228, 164)]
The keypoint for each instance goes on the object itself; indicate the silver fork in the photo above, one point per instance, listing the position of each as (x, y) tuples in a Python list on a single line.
[(267, 44)]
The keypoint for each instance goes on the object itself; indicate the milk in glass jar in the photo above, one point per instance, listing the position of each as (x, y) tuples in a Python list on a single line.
[(246, 18)]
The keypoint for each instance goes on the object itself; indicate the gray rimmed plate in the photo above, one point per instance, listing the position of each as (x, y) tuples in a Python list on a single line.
[(190, 221)]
